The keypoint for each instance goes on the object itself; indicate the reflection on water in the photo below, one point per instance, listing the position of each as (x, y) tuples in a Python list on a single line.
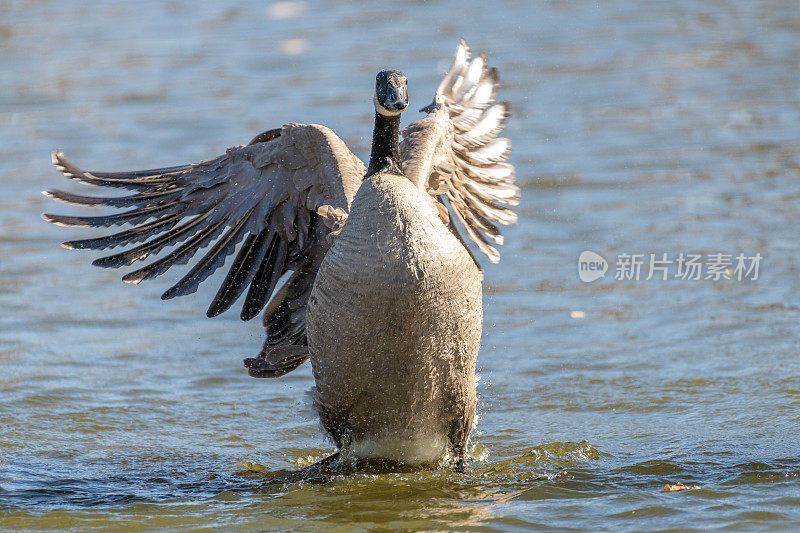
[(638, 127)]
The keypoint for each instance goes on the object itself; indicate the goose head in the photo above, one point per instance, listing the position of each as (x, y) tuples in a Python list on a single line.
[(391, 93)]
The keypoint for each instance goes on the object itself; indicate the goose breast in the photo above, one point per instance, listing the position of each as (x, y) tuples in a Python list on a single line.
[(394, 326)]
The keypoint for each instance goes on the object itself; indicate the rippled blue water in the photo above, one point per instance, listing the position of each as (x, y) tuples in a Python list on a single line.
[(638, 127)]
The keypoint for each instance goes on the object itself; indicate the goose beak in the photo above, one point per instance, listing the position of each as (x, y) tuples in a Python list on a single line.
[(397, 99)]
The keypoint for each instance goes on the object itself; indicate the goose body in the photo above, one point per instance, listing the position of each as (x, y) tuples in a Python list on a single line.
[(384, 295), (394, 326)]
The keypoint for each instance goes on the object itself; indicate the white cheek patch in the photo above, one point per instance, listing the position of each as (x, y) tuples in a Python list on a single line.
[(382, 110)]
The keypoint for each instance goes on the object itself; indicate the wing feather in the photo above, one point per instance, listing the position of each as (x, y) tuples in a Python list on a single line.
[(139, 253), (134, 216), (138, 180), (263, 196), (131, 236), (210, 262), (180, 256), (241, 273), (265, 280), (455, 150), (121, 201)]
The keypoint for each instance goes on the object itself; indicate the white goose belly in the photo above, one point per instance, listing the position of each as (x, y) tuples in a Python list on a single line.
[(394, 325)]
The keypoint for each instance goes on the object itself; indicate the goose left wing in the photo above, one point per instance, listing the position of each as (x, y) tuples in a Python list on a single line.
[(455, 152), (278, 199)]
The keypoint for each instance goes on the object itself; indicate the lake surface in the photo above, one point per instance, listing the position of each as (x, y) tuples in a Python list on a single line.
[(638, 128)]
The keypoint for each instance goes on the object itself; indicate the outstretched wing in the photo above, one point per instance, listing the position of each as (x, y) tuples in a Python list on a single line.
[(455, 151), (266, 194)]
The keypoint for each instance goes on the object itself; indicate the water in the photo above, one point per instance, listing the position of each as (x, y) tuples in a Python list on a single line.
[(639, 127)]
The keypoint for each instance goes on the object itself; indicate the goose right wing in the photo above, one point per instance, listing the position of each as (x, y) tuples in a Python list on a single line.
[(266, 194), (455, 151)]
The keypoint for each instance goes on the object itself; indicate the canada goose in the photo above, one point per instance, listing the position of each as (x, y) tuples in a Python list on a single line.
[(385, 297)]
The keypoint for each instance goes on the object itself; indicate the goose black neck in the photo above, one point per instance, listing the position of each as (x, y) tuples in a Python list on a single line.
[(385, 144)]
